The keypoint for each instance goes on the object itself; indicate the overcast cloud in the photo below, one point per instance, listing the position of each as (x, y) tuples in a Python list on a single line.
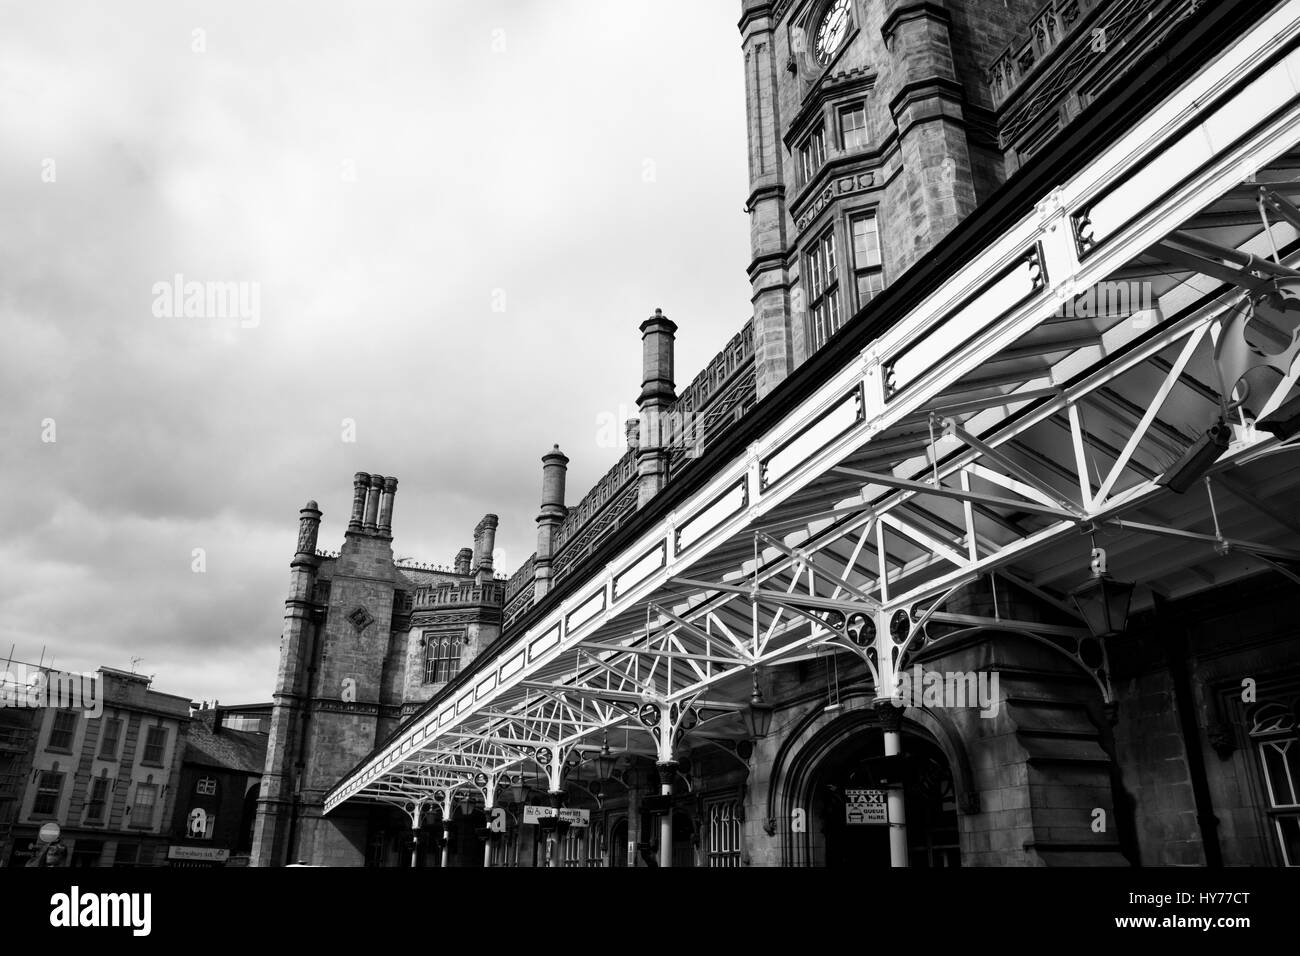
[(389, 174)]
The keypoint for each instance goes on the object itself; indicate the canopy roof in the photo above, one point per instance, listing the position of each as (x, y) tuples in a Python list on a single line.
[(1051, 385)]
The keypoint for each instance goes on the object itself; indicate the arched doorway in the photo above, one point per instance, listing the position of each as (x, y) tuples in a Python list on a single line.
[(830, 758), (930, 804), (618, 844)]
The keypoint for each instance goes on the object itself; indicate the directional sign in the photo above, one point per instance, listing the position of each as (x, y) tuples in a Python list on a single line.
[(577, 818), (866, 807), (535, 814)]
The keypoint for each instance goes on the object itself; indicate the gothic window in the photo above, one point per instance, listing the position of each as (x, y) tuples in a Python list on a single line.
[(572, 848), (867, 275), (441, 656), (1273, 734), (822, 281), (724, 833)]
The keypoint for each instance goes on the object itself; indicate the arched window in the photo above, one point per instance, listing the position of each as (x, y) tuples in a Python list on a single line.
[(441, 656), (724, 833), (1277, 747)]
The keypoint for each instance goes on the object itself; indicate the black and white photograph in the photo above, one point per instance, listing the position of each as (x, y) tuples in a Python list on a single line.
[(831, 437)]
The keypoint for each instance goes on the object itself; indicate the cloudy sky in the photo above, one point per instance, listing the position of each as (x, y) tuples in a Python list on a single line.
[(454, 216)]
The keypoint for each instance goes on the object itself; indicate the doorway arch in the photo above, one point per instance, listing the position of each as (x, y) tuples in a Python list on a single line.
[(828, 756), (618, 843)]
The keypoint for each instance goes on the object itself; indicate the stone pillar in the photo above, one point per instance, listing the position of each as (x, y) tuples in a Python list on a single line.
[(275, 802), (464, 558), (386, 497), (554, 471), (657, 397), (360, 482), (485, 541), (370, 525), (777, 332)]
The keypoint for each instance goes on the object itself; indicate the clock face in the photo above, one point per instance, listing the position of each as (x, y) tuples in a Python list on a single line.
[(832, 30)]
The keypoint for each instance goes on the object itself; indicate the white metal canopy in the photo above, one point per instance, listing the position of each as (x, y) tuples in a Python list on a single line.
[(1005, 414)]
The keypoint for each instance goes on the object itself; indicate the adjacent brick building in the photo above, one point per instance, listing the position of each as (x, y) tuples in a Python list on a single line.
[(109, 781), (221, 771)]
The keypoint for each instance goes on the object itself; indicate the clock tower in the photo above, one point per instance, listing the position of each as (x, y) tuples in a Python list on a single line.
[(872, 133)]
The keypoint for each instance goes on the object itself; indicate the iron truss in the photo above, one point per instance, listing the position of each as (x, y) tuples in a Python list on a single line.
[(947, 479)]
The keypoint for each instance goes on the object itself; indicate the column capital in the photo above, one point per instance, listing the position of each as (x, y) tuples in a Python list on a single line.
[(890, 714), (667, 770)]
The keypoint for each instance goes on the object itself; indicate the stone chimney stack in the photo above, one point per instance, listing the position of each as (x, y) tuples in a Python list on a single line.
[(657, 396), (555, 467), (308, 527), (360, 484), (373, 491), (387, 495), (464, 558), (485, 540)]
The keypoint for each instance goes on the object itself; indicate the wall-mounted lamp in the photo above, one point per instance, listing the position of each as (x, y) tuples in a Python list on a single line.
[(1103, 602), (758, 715)]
